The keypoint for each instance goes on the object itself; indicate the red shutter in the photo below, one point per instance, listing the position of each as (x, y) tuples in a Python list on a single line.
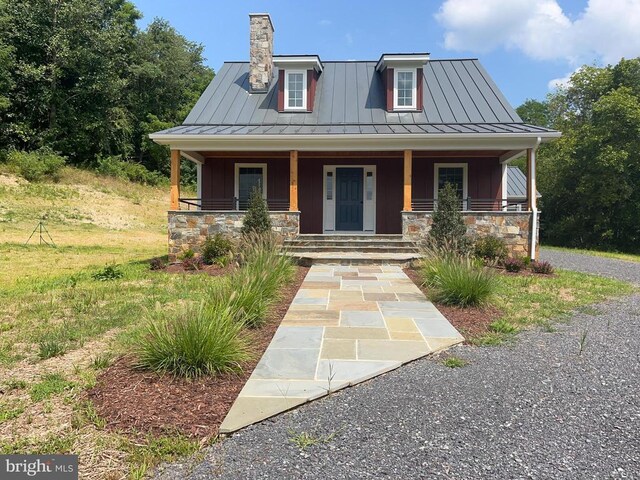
[(312, 80), (281, 90), (389, 86), (419, 100)]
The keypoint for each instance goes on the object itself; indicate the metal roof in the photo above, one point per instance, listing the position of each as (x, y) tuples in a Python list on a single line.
[(517, 183), (459, 97)]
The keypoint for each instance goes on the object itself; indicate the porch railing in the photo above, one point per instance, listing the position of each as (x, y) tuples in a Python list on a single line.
[(230, 204), (473, 204)]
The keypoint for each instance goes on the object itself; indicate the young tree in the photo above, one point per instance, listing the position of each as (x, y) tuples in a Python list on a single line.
[(448, 228), (257, 217)]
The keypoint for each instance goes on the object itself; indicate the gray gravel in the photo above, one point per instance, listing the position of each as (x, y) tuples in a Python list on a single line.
[(536, 408), (606, 267)]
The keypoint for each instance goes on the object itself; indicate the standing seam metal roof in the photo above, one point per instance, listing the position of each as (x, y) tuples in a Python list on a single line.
[(459, 97)]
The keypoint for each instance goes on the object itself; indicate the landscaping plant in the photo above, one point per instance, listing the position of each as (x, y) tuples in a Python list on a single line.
[(257, 219), (544, 268), (490, 249), (513, 265), (448, 225), (217, 249), (196, 340)]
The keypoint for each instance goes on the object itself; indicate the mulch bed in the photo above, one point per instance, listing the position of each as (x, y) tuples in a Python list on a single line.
[(140, 402), (471, 322)]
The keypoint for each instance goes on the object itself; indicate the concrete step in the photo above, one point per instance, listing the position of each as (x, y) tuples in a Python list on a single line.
[(383, 248), (354, 258), (347, 236), (350, 243)]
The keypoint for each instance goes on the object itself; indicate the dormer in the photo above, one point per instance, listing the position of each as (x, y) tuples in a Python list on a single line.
[(402, 78), (297, 78)]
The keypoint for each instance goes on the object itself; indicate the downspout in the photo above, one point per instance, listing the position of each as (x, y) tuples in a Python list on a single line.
[(534, 208)]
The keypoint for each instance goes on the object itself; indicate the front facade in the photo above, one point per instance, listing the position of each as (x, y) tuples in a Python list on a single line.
[(352, 147)]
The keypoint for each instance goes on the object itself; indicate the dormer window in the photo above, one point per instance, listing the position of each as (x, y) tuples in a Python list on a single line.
[(297, 79), (295, 90), (402, 76), (404, 91)]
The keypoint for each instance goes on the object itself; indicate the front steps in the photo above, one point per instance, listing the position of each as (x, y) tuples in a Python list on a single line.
[(350, 249)]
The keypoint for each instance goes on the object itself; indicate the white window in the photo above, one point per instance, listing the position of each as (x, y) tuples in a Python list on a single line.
[(295, 90), (249, 176), (404, 89)]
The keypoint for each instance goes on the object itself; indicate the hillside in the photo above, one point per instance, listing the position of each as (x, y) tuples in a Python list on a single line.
[(92, 219)]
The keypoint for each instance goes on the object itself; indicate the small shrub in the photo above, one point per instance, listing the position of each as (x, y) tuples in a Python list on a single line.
[(195, 341), (454, 362), (108, 273), (158, 263), (51, 348), (458, 280), (36, 166), (192, 263), (513, 265), (448, 224), (491, 249), (101, 361), (544, 268), (216, 249), (256, 219)]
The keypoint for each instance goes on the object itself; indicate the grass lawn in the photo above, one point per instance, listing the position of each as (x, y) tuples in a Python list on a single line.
[(540, 300), (619, 256)]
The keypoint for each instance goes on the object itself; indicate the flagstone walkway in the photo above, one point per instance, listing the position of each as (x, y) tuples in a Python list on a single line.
[(344, 326)]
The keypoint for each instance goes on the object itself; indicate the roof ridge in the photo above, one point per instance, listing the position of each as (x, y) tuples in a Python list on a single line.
[(361, 61)]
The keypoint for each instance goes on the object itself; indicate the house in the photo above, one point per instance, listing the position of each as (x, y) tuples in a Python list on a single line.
[(351, 147)]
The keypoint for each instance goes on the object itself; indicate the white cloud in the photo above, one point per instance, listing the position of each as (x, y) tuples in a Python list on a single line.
[(561, 82), (325, 23), (605, 30)]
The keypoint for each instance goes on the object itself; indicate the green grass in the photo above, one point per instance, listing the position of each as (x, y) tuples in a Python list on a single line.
[(10, 409), (454, 362), (630, 257), (51, 384)]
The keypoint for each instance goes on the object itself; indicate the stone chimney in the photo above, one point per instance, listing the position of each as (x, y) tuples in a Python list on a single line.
[(260, 51)]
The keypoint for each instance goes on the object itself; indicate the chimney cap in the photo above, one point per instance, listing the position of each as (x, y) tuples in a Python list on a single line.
[(263, 15)]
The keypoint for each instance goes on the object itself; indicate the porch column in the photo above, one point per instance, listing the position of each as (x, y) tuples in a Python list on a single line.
[(175, 179), (293, 181), (408, 156), (531, 179)]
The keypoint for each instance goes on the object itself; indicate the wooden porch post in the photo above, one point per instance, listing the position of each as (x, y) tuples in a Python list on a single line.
[(293, 181), (175, 179), (531, 179), (408, 156)]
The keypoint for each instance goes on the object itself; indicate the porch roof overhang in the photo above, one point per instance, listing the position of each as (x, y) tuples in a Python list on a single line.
[(513, 142)]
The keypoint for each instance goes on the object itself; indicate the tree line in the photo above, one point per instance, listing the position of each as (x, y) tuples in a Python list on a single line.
[(590, 177), (80, 77)]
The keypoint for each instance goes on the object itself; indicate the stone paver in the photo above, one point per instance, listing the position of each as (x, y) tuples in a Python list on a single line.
[(347, 324)]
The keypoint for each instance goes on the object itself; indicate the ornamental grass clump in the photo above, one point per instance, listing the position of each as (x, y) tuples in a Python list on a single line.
[(197, 340), (456, 279)]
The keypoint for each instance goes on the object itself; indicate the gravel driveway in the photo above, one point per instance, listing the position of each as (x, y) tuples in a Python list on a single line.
[(536, 408), (606, 267)]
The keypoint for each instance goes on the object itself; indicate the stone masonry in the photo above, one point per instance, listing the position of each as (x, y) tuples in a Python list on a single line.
[(260, 51), (513, 227), (189, 229)]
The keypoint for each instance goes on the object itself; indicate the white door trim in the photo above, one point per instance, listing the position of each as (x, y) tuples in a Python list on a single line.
[(368, 206)]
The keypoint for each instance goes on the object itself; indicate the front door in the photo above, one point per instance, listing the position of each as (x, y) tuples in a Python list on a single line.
[(349, 199)]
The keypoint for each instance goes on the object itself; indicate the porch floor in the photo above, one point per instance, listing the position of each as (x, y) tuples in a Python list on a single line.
[(346, 324)]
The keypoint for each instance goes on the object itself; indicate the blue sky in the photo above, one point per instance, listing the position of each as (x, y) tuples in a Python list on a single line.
[(526, 45)]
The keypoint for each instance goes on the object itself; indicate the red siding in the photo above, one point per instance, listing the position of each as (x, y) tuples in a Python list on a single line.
[(312, 79), (281, 90), (419, 104), (388, 83)]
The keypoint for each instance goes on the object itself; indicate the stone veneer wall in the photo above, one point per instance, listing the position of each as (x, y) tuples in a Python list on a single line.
[(513, 227), (189, 229)]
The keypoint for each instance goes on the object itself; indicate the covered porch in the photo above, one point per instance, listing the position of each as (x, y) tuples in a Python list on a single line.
[(353, 192)]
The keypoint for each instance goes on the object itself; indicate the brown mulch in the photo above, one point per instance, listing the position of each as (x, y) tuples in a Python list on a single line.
[(140, 402), (471, 322), (213, 270)]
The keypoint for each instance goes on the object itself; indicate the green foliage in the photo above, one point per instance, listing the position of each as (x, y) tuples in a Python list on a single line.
[(457, 280), (544, 268), (590, 177), (454, 362), (216, 249), (502, 326), (51, 347), (134, 172), (109, 272), (448, 226), (36, 166), (513, 265), (256, 219), (81, 77), (51, 384), (194, 341), (490, 248)]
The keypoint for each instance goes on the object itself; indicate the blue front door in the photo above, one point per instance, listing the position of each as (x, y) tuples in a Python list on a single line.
[(349, 199)]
